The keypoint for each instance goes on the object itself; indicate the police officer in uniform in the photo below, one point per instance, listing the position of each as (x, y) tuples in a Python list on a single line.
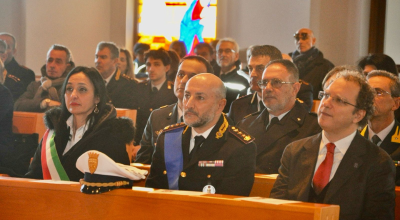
[(155, 92), (260, 56), (18, 77), (170, 114), (205, 153), (283, 121), (121, 89), (383, 129)]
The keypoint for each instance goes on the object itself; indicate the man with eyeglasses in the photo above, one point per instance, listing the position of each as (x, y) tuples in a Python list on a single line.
[(283, 121), (227, 55), (258, 57), (383, 129), (309, 60), (339, 166)]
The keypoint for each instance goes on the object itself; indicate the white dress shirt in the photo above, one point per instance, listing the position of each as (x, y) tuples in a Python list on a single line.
[(340, 150), (194, 134), (78, 134), (382, 135)]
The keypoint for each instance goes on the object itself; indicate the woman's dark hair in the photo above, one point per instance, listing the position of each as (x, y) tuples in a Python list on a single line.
[(380, 61), (99, 91)]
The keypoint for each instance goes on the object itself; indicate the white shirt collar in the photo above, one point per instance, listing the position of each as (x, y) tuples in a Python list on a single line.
[(233, 68), (279, 116), (382, 134), (108, 79), (204, 134), (342, 145), (180, 113), (158, 86)]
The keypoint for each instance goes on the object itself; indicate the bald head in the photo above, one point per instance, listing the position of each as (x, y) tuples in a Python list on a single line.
[(204, 101), (304, 40)]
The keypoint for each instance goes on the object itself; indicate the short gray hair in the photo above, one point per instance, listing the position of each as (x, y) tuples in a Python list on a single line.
[(228, 39)]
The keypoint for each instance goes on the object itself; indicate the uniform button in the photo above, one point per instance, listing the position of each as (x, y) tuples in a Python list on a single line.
[(208, 176), (165, 172), (151, 109), (183, 174)]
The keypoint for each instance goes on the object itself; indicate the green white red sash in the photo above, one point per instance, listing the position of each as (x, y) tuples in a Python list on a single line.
[(51, 164)]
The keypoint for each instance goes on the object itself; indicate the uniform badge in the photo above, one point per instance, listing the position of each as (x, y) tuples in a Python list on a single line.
[(209, 189), (93, 161)]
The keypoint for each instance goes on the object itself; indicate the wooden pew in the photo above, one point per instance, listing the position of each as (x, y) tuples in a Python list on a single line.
[(31, 122), (23, 199), (28, 123)]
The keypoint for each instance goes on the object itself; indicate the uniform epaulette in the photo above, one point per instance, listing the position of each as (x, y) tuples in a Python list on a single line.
[(170, 84), (303, 82), (241, 135), (243, 96), (299, 100), (251, 114), (174, 126), (163, 106), (127, 77)]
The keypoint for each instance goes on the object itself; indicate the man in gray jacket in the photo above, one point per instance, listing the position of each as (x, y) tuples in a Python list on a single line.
[(45, 93)]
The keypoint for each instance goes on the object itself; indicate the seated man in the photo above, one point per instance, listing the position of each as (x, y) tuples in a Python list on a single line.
[(207, 154), (170, 114), (283, 121), (258, 57), (339, 166), (45, 93), (155, 92), (383, 128), (309, 60), (18, 76)]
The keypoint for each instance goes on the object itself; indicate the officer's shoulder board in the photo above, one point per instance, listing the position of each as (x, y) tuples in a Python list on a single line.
[(244, 96), (241, 135), (128, 77), (303, 82), (174, 126), (252, 114)]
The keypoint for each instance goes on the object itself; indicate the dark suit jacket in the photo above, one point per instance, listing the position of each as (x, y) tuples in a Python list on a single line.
[(149, 101), (363, 184), (392, 148), (18, 78), (122, 91), (158, 120), (246, 105), (297, 124), (236, 177)]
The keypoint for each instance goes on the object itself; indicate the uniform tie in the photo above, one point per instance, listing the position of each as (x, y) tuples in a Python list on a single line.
[(375, 139), (154, 89), (321, 177), (198, 140), (273, 121)]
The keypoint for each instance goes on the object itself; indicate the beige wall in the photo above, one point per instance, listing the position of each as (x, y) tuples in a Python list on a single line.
[(341, 26), (392, 30)]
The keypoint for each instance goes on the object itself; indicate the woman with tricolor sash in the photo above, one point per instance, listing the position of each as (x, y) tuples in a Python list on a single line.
[(84, 121)]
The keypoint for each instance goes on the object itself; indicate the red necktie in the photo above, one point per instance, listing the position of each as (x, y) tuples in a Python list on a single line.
[(321, 177)]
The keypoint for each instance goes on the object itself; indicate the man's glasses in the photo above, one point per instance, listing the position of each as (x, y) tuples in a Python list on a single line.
[(299, 36), (226, 51), (275, 83), (337, 100), (381, 92)]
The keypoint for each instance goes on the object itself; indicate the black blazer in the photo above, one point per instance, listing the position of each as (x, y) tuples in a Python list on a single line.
[(391, 147), (236, 177), (158, 120), (363, 184), (298, 123), (122, 91)]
